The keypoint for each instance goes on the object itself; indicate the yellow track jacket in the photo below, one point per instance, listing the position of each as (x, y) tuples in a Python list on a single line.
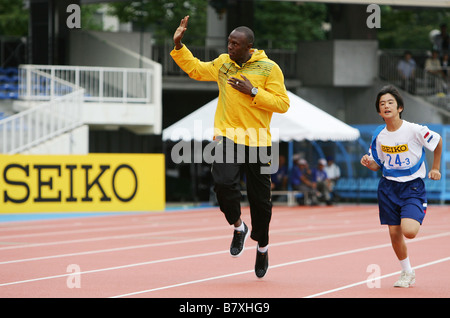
[(240, 117)]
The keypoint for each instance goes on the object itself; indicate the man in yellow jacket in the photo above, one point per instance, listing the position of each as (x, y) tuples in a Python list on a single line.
[(251, 88)]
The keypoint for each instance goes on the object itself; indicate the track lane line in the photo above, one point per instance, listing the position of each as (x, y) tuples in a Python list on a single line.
[(112, 237), (184, 241), (445, 259), (187, 256), (100, 226), (281, 265), (226, 251), (210, 254)]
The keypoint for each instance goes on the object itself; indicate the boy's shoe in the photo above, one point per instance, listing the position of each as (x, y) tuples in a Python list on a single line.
[(406, 279), (237, 244), (261, 264)]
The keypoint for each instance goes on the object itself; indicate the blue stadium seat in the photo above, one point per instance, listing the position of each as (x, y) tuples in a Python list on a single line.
[(12, 71), (13, 95), (432, 185), (342, 184), (9, 80), (373, 184), (364, 184), (9, 87), (353, 184)]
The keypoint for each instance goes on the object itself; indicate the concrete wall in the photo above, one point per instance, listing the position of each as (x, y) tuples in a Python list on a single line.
[(356, 105), (117, 50), (135, 117), (120, 51), (341, 77), (340, 63)]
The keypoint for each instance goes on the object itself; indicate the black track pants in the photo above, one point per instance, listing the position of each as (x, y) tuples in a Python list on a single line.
[(227, 170)]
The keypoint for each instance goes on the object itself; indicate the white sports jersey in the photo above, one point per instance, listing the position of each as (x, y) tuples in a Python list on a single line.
[(402, 149)]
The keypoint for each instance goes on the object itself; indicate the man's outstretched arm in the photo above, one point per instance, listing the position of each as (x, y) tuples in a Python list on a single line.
[(179, 33)]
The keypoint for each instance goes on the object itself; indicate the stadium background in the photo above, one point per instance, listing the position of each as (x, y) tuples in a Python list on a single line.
[(125, 90)]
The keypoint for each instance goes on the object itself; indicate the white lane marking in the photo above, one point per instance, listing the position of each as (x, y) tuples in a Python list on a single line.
[(445, 259), (279, 265)]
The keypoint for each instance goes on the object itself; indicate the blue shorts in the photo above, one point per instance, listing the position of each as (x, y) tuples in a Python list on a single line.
[(398, 200)]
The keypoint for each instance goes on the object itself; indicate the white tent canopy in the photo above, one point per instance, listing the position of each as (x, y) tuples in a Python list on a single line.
[(302, 121)]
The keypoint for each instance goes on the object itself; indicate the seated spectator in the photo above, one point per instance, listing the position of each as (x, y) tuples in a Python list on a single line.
[(280, 178), (434, 68), (334, 173), (321, 181), (301, 181), (407, 71), (433, 64)]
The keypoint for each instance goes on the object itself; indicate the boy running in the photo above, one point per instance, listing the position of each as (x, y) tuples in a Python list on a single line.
[(397, 149)]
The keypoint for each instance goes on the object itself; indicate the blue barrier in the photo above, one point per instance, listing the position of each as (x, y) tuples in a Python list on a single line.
[(366, 188)]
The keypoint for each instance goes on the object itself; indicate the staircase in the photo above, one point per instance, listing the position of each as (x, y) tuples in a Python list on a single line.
[(431, 88), (54, 100)]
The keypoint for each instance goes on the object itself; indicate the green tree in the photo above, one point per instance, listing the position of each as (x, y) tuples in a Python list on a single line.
[(13, 18), (409, 28), (162, 17), (282, 24), (88, 17)]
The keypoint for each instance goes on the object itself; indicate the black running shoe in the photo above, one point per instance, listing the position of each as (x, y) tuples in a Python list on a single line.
[(261, 264), (237, 245)]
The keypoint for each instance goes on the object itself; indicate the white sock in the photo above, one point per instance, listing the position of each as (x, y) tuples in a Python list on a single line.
[(406, 266), (263, 249), (240, 228)]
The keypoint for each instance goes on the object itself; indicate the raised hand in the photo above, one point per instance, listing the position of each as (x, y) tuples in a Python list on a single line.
[(179, 33)]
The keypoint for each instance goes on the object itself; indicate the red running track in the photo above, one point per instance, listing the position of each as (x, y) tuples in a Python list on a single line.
[(330, 252)]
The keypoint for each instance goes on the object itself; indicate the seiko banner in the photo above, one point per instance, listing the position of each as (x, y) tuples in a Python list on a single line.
[(94, 182)]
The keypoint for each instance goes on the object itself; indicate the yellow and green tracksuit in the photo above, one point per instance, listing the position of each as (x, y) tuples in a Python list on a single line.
[(242, 120), (240, 117)]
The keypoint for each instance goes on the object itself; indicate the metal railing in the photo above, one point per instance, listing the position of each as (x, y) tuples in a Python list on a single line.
[(60, 92), (101, 84), (432, 87), (59, 114)]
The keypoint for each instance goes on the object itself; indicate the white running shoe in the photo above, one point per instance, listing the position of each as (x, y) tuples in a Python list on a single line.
[(406, 279)]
